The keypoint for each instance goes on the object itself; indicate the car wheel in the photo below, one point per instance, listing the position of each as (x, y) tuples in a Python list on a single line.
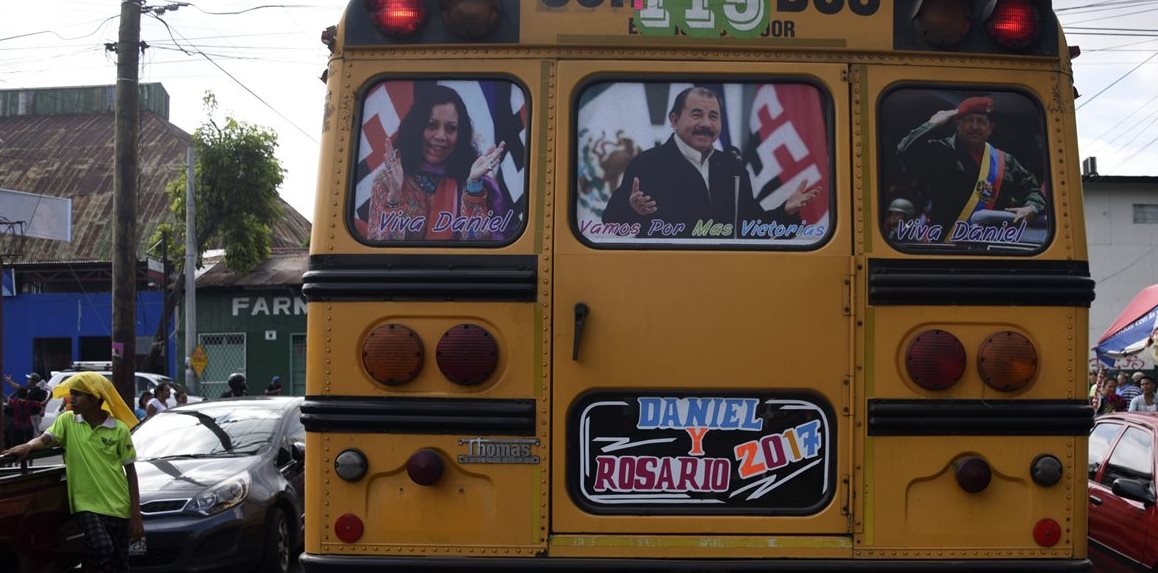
[(278, 543)]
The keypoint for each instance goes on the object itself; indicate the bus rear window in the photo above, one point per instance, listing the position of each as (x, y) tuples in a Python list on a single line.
[(683, 165), (963, 171), (441, 162)]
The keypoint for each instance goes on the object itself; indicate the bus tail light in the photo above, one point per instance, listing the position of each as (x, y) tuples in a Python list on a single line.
[(972, 473), (1007, 361), (467, 354), (1013, 24), (1046, 532), (471, 19), (1046, 470), (424, 467), (396, 17), (349, 527), (943, 23), (935, 360), (393, 354)]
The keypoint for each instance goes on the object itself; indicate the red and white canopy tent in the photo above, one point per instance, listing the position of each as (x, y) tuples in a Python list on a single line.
[(1129, 342)]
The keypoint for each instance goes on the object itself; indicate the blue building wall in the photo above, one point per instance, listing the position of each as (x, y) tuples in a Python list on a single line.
[(74, 316)]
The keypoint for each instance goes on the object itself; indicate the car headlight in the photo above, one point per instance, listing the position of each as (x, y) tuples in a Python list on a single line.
[(220, 497)]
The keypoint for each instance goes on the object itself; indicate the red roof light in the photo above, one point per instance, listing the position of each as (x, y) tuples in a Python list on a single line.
[(1014, 24), (396, 17)]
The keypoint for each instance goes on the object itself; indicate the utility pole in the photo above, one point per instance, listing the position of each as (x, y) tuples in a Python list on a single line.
[(128, 121), (165, 301), (191, 381)]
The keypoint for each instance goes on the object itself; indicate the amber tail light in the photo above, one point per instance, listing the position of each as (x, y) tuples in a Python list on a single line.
[(471, 19), (935, 360), (393, 354), (943, 23), (1007, 361)]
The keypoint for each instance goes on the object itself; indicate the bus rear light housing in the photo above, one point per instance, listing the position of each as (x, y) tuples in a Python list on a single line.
[(972, 473), (943, 23), (467, 354), (935, 359), (471, 19), (393, 354), (1013, 24), (425, 467), (396, 17), (1007, 361), (349, 527)]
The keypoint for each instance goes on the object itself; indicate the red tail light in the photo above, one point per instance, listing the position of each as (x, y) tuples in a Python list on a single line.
[(424, 467), (467, 354), (935, 360), (1014, 24), (393, 354), (396, 17), (1007, 361), (943, 22), (349, 527), (972, 473)]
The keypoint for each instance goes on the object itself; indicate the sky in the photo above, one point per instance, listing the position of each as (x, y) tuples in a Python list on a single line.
[(262, 61)]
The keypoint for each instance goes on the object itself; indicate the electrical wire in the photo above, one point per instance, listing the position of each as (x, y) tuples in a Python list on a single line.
[(232, 77)]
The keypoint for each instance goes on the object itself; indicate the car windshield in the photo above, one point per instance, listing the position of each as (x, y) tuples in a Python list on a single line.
[(218, 429)]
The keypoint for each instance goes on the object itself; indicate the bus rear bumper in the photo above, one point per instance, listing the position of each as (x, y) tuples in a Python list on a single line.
[(344, 564)]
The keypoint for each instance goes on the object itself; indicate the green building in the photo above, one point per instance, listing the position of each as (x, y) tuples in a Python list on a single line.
[(254, 324)]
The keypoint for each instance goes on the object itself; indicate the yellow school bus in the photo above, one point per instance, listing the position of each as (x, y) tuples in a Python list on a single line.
[(792, 285)]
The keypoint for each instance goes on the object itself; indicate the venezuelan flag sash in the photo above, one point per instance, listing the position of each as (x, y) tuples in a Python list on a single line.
[(988, 186)]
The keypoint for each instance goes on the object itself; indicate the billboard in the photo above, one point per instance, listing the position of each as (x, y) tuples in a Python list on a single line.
[(44, 217)]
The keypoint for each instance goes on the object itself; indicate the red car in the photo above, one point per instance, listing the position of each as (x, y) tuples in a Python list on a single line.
[(1123, 516)]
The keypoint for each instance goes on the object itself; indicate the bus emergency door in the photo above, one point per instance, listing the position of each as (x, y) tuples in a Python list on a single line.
[(702, 361)]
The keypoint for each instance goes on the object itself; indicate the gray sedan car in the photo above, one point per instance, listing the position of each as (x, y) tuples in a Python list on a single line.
[(221, 486)]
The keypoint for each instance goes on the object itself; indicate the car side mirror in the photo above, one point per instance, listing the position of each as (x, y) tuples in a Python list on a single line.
[(299, 452), (1135, 489)]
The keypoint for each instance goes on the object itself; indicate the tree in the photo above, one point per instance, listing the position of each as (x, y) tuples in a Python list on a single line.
[(236, 201)]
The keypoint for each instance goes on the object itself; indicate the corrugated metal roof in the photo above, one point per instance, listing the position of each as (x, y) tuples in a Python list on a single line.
[(72, 156), (283, 267)]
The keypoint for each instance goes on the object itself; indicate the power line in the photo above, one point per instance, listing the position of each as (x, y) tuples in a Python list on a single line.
[(1115, 82), (232, 77), (54, 33), (262, 7)]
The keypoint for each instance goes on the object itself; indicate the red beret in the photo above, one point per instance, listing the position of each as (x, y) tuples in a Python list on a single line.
[(976, 105)]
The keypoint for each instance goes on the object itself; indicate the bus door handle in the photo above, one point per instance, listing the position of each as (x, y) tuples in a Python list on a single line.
[(1095, 500), (581, 312)]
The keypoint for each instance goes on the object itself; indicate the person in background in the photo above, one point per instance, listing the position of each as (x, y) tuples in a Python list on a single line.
[(181, 397), (99, 466), (160, 401), (237, 386), (1128, 389), (1145, 401), (38, 393), (274, 388), (1108, 401), (21, 407), (142, 403)]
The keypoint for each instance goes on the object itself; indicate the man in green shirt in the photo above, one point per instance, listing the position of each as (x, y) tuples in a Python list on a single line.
[(98, 458)]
